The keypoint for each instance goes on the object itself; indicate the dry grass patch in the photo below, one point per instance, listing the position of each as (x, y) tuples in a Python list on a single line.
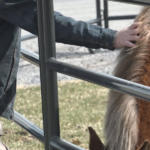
[(81, 104)]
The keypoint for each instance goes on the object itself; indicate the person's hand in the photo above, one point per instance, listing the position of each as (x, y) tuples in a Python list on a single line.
[(128, 36)]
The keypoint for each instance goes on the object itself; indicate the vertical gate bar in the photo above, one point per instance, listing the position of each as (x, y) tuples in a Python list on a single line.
[(98, 12), (51, 76), (106, 21), (43, 74), (48, 78)]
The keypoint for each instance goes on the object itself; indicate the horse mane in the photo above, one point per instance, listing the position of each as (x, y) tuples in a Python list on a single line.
[(122, 115)]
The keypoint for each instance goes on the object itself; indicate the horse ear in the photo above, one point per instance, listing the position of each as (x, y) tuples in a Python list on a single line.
[(145, 146), (95, 143)]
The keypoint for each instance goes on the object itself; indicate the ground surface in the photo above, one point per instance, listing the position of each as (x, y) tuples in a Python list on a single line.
[(101, 61)]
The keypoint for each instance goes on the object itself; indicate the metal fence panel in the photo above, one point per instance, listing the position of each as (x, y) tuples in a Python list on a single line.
[(49, 78)]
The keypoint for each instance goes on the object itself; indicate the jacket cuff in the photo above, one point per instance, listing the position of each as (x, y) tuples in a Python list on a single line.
[(107, 38)]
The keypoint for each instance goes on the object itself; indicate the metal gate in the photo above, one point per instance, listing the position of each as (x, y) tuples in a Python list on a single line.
[(48, 68)]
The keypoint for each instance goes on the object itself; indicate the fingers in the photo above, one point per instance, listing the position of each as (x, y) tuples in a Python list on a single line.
[(129, 44), (135, 25), (135, 32), (134, 38)]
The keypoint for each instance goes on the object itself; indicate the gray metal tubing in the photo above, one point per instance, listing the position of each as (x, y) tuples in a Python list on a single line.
[(60, 144), (30, 57), (93, 21), (27, 37), (37, 132), (51, 80), (136, 2), (48, 78), (107, 17), (121, 17), (98, 12), (28, 126), (111, 82), (106, 23), (45, 105)]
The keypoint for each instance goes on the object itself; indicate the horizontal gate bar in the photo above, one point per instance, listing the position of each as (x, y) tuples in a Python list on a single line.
[(30, 57), (34, 59), (121, 17), (38, 133), (29, 126), (111, 82), (60, 144), (27, 37), (137, 2), (93, 21)]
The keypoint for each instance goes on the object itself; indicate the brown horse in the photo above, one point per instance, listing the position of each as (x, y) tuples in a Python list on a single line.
[(96, 144), (127, 120)]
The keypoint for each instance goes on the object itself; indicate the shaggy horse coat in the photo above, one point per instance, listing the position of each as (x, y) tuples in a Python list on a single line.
[(127, 123), (127, 120)]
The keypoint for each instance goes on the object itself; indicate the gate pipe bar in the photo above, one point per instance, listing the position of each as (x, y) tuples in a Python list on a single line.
[(121, 17), (114, 83), (25, 54), (106, 24), (111, 18), (49, 78), (29, 56), (43, 76), (50, 51), (98, 12), (60, 144), (37, 132), (137, 2), (27, 37), (29, 126), (94, 21)]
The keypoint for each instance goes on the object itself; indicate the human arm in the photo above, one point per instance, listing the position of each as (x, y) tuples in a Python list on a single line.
[(67, 30), (81, 33), (91, 36)]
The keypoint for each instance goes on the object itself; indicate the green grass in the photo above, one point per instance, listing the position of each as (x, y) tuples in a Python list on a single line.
[(81, 105)]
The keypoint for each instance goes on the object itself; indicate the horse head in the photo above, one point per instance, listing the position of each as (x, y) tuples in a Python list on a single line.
[(96, 144)]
